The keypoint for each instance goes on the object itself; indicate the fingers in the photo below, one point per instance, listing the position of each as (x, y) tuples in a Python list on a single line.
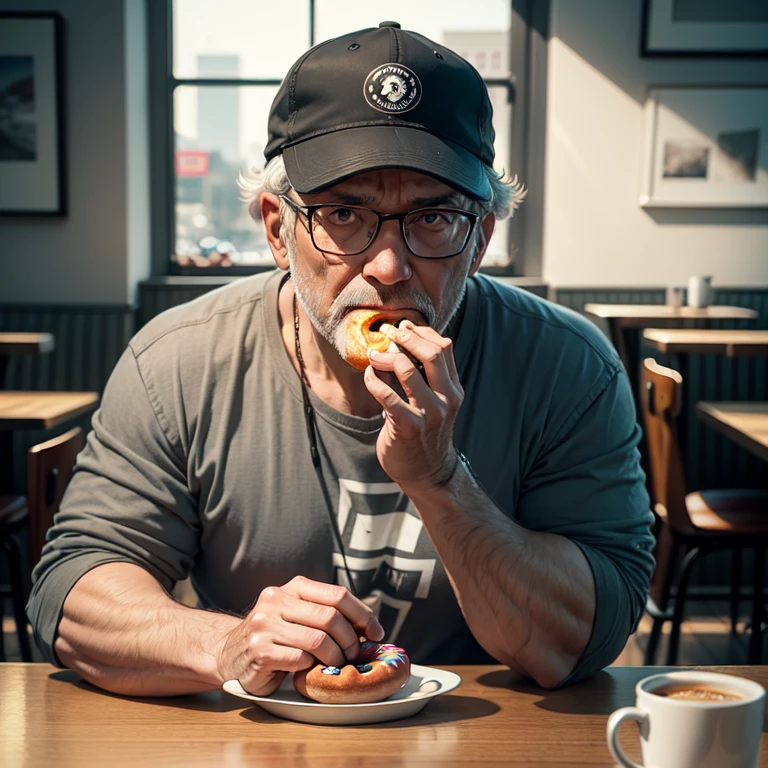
[(428, 347), (270, 664), (292, 627), (356, 612)]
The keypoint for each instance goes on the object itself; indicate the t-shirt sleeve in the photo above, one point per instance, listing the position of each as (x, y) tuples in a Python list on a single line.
[(588, 486), (128, 501)]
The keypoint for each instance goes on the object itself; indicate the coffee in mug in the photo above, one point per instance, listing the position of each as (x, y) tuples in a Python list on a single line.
[(693, 719), (696, 693)]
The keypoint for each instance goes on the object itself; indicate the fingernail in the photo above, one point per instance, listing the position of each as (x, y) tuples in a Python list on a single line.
[(375, 355), (389, 330)]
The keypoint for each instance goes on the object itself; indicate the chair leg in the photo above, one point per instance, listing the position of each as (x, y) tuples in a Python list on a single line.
[(18, 595), (677, 616), (756, 638), (735, 588), (666, 588)]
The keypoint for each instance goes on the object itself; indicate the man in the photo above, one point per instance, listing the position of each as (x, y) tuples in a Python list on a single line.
[(473, 494)]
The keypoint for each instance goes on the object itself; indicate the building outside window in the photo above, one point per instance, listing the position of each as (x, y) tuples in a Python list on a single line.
[(228, 58)]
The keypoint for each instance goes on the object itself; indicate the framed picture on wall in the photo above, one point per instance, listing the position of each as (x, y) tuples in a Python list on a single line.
[(704, 28), (706, 147), (32, 174)]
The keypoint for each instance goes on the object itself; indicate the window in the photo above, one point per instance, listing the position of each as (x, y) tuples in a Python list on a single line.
[(227, 60)]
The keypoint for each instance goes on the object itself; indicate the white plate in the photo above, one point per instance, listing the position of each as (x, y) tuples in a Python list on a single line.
[(423, 684)]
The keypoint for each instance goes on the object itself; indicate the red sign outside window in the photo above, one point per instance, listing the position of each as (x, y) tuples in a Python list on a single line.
[(191, 162)]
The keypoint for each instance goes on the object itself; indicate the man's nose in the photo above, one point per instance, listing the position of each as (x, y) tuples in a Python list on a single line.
[(388, 257)]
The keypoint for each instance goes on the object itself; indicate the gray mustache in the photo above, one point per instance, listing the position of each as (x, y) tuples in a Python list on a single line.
[(401, 295)]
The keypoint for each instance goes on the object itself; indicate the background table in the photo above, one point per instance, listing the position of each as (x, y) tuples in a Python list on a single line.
[(746, 423), (708, 341), (22, 344), (626, 320), (50, 718), (35, 410)]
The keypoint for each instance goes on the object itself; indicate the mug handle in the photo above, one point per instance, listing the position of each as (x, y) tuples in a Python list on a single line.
[(612, 731)]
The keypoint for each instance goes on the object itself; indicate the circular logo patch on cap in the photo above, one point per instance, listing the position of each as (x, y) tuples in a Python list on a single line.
[(392, 88)]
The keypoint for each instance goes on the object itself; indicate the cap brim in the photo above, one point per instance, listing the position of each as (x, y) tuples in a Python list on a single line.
[(318, 162)]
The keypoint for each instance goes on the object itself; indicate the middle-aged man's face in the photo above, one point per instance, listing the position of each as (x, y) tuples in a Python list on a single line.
[(387, 274)]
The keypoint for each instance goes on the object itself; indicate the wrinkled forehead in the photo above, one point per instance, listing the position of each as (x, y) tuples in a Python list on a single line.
[(392, 186)]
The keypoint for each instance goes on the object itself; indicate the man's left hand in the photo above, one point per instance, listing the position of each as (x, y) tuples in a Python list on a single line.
[(415, 445)]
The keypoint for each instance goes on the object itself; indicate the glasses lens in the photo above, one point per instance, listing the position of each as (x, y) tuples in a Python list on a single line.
[(343, 230), (437, 233)]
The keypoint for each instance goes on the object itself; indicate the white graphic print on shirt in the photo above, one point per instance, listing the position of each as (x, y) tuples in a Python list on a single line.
[(379, 535)]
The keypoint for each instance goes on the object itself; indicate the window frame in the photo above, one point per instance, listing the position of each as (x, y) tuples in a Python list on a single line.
[(162, 86)]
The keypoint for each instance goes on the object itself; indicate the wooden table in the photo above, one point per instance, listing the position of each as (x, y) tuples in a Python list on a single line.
[(746, 423), (22, 344), (36, 410), (49, 717), (626, 320), (708, 341)]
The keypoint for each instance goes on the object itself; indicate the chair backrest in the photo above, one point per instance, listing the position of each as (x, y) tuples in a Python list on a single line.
[(661, 398), (49, 470)]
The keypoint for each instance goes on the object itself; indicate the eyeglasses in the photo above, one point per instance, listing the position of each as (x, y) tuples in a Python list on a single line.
[(347, 230)]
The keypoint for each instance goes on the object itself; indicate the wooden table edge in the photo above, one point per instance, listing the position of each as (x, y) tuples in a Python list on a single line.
[(48, 423), (705, 413)]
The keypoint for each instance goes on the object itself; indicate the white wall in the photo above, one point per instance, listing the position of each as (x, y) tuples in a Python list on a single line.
[(595, 233), (98, 252)]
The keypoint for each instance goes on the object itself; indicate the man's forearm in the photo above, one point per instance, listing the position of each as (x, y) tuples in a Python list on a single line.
[(528, 597), (121, 631)]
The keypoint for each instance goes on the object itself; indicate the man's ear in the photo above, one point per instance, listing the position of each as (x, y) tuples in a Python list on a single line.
[(270, 215), (487, 224)]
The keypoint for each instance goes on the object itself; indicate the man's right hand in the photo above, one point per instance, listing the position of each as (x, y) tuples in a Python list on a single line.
[(293, 627)]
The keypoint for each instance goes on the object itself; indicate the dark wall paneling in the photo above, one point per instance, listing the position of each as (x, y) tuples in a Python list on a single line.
[(576, 298), (155, 296), (89, 341)]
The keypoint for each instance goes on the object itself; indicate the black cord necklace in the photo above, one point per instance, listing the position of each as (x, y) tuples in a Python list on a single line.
[(309, 417)]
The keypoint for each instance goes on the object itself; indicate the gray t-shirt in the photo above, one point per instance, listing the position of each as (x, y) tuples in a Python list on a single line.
[(199, 462)]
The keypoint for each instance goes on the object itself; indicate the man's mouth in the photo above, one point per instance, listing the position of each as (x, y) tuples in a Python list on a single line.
[(391, 315)]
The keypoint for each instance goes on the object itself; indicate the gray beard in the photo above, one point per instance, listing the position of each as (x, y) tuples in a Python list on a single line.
[(332, 327)]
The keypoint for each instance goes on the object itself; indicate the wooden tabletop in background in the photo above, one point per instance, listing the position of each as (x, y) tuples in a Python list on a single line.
[(643, 314), (746, 423), (43, 410), (704, 341), (26, 343), (49, 718)]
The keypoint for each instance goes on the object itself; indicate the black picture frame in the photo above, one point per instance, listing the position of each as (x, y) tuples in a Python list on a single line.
[(663, 37), (33, 179)]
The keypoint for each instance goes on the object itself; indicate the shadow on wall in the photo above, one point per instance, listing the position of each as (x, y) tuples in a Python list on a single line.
[(606, 34)]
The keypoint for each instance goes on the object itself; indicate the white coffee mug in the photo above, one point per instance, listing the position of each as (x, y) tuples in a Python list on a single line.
[(677, 733), (699, 291)]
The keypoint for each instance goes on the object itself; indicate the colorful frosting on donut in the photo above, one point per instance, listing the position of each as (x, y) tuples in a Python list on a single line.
[(389, 654)]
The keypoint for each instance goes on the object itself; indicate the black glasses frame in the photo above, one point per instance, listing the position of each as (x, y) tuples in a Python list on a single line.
[(308, 211)]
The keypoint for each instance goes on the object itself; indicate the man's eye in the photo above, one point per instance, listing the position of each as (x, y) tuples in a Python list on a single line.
[(341, 216), (433, 218)]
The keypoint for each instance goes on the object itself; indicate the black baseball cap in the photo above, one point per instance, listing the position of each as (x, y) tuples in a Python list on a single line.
[(381, 98)]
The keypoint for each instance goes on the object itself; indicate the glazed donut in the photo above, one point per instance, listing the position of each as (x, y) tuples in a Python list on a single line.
[(359, 338), (377, 673)]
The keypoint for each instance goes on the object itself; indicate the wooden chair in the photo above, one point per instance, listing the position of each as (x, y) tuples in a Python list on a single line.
[(13, 519), (697, 523), (49, 470)]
